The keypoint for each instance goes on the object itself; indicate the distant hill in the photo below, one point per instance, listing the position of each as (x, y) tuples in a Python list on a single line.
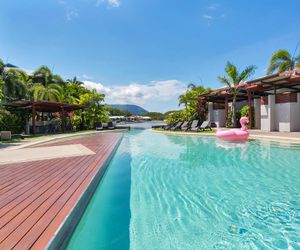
[(133, 109)]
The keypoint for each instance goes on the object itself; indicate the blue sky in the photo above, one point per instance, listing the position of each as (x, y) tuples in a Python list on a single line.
[(146, 52)]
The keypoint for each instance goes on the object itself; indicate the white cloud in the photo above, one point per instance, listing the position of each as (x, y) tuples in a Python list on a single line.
[(87, 77), (114, 3), (111, 3), (140, 94), (96, 85), (71, 14), (208, 17), (213, 7), (213, 13)]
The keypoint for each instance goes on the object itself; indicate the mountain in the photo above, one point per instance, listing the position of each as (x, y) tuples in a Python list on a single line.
[(133, 109)]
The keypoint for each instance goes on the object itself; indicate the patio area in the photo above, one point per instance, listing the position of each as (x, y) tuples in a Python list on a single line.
[(39, 196)]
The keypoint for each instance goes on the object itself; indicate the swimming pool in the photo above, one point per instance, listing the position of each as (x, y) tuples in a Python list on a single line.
[(183, 192)]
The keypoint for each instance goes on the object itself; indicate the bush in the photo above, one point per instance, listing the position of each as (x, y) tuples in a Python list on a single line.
[(229, 119), (14, 121), (245, 112), (175, 117)]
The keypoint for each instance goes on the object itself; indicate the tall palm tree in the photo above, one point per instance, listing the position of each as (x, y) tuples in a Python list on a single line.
[(15, 84), (46, 85), (185, 99), (50, 92), (72, 91), (282, 60), (232, 80)]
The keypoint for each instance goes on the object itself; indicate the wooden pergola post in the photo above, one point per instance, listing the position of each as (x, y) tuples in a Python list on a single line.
[(33, 118), (250, 108), (62, 117), (226, 109)]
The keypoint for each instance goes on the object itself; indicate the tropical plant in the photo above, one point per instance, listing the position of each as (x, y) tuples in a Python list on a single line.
[(72, 91), (190, 99), (13, 120), (46, 85), (201, 109), (50, 92), (282, 60), (176, 116), (95, 109), (184, 99), (245, 112), (15, 81), (232, 80), (1, 90), (198, 107)]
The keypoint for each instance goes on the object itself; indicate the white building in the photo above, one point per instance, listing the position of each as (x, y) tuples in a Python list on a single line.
[(274, 100)]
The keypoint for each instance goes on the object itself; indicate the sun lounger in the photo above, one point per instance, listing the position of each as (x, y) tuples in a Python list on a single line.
[(205, 125), (99, 126), (167, 127), (177, 126), (194, 126), (110, 125), (185, 126)]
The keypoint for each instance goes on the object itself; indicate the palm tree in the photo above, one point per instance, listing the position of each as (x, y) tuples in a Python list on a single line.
[(232, 80), (50, 92), (185, 99), (282, 60), (72, 91), (47, 86), (15, 84)]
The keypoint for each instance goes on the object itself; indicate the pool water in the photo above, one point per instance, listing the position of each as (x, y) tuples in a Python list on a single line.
[(186, 192)]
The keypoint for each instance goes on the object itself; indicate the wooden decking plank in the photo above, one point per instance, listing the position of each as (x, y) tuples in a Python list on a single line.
[(8, 170), (40, 206), (35, 207), (41, 210), (25, 186), (26, 169), (44, 223), (51, 229), (24, 200), (19, 183)]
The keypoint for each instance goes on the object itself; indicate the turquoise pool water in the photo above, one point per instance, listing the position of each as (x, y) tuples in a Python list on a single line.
[(183, 192)]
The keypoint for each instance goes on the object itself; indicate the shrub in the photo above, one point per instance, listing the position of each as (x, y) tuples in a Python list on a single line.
[(175, 117), (245, 112), (229, 119), (14, 121)]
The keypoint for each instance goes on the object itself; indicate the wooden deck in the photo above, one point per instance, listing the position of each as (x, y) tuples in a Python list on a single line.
[(36, 197)]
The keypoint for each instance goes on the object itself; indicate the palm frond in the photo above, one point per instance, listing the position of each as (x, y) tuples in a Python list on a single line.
[(246, 73), (279, 57), (284, 66), (231, 71), (225, 80), (273, 67), (38, 91)]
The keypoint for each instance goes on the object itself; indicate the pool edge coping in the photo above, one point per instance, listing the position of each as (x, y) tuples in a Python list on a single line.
[(256, 137), (64, 232)]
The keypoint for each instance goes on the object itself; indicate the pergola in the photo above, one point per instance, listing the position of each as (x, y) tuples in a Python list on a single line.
[(46, 106), (277, 84)]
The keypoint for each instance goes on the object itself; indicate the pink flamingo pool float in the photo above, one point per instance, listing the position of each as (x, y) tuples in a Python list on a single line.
[(241, 134)]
